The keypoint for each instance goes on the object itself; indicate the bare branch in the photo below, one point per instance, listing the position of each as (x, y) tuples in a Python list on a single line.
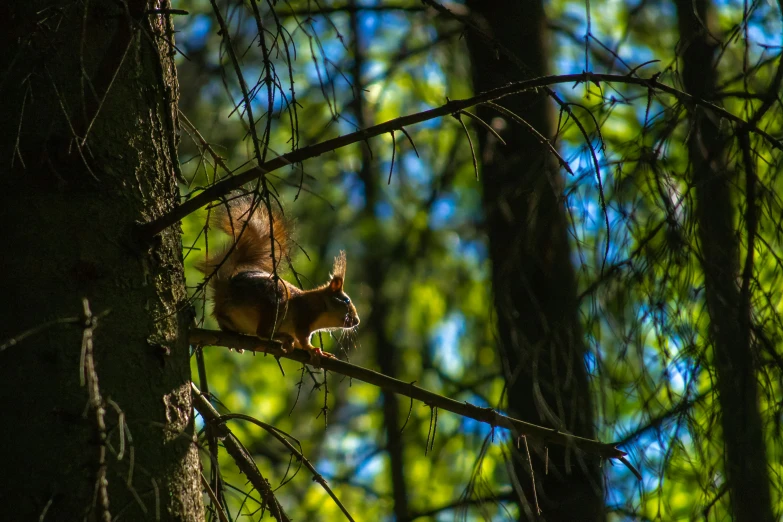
[(240, 455), (317, 477), (225, 186), (535, 433)]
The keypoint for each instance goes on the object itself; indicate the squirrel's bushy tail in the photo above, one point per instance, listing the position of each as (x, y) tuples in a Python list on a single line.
[(250, 248)]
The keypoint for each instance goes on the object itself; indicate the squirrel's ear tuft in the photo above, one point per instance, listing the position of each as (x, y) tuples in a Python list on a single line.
[(338, 271)]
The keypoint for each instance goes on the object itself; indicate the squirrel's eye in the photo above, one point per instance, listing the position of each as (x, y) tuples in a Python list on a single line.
[(343, 299)]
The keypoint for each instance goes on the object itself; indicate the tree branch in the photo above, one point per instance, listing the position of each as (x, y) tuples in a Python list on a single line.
[(298, 455), (534, 433), (221, 188), (240, 455)]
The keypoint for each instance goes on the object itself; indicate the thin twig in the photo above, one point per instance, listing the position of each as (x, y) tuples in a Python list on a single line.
[(541, 139), (394, 149), (90, 376), (211, 494), (410, 140), (470, 142), (485, 125), (13, 341)]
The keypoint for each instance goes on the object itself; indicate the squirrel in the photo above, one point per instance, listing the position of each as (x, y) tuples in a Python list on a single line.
[(249, 298)]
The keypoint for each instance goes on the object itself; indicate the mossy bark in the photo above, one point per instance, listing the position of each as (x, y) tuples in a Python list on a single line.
[(87, 151)]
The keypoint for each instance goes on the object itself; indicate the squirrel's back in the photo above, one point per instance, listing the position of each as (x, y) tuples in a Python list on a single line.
[(241, 271)]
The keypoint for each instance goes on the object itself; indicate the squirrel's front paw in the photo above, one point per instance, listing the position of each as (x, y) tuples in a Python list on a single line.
[(288, 344), (316, 353)]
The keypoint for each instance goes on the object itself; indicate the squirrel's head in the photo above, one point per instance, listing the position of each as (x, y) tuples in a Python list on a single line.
[(339, 310)]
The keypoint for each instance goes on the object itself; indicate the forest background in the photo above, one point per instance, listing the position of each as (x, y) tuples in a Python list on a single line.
[(596, 254)]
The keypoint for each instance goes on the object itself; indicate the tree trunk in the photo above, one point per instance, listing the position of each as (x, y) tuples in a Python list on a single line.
[(87, 150), (730, 319), (541, 340)]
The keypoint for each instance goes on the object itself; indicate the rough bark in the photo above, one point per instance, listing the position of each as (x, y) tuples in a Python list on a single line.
[(541, 340), (87, 150), (745, 451)]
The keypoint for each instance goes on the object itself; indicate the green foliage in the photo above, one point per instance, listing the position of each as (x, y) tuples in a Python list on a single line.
[(421, 232), (419, 271)]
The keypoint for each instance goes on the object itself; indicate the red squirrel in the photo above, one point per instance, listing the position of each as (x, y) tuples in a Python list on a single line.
[(250, 299)]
